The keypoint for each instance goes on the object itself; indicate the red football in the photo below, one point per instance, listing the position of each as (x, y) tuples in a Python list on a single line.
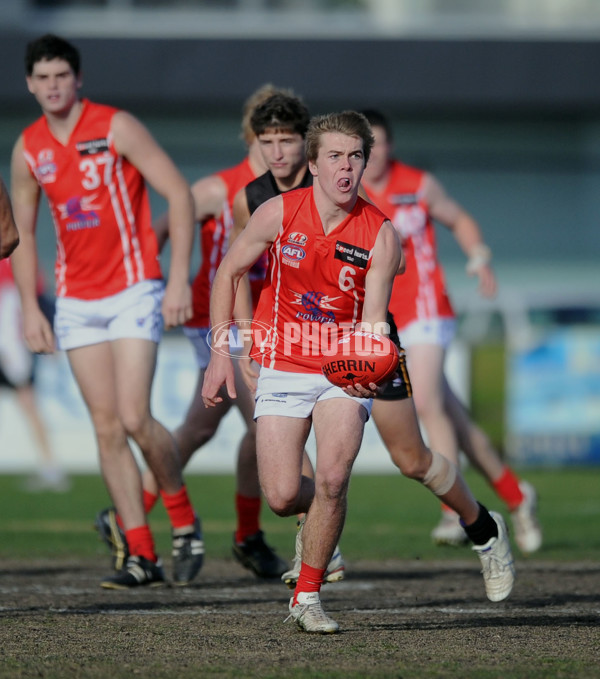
[(361, 357)]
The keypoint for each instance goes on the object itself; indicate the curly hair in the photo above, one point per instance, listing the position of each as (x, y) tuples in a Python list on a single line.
[(281, 112)]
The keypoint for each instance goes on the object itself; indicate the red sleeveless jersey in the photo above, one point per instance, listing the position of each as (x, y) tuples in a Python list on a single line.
[(420, 293), (214, 238), (99, 204), (315, 284)]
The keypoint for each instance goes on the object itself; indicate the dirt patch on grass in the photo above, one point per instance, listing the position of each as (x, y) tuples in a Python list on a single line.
[(398, 619)]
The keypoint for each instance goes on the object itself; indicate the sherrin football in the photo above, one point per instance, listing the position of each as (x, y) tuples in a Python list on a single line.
[(361, 357)]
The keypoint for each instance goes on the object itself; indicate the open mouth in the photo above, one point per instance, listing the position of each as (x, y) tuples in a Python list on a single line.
[(344, 184)]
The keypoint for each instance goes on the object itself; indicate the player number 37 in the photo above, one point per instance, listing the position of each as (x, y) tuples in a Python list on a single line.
[(92, 169)]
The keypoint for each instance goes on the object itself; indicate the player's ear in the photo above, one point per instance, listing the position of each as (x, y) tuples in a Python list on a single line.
[(313, 168)]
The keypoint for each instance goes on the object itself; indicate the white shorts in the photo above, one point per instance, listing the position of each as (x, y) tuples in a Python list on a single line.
[(16, 361), (295, 394), (133, 313), (200, 339), (439, 331)]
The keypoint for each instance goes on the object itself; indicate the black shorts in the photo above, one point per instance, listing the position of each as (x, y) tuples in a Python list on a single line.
[(399, 387)]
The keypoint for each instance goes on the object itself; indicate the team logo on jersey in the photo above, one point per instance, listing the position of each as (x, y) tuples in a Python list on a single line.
[(316, 306), (403, 198), (409, 220), (45, 170), (80, 213), (92, 146), (352, 254), (297, 238), (293, 255)]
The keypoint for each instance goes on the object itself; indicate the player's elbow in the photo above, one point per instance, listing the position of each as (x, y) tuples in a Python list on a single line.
[(9, 243)]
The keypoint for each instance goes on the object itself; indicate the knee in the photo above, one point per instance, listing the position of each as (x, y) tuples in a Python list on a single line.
[(135, 424), (282, 505), (332, 485), (109, 433), (413, 461), (189, 437), (414, 466), (282, 500)]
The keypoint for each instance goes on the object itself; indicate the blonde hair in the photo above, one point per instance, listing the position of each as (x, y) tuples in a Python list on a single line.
[(256, 99), (350, 123)]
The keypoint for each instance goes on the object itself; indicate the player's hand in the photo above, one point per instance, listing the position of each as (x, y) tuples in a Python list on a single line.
[(219, 372), (361, 391), (487, 281), (38, 332), (177, 304)]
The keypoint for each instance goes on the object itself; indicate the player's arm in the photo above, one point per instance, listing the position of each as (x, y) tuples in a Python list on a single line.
[(466, 231), (240, 213), (258, 235), (25, 202), (134, 141), (386, 260), (9, 235), (243, 300), (209, 195)]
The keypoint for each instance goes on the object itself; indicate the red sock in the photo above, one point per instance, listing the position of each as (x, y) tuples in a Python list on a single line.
[(149, 500), (309, 580), (507, 488), (248, 511), (179, 508), (141, 542)]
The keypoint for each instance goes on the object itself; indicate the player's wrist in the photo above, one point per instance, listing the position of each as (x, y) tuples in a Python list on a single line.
[(479, 256)]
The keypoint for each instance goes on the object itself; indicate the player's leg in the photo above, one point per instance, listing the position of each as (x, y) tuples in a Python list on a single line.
[(200, 424), (338, 425), (135, 361), (398, 426), (249, 546), (426, 365), (519, 496), (198, 427), (280, 444), (94, 371)]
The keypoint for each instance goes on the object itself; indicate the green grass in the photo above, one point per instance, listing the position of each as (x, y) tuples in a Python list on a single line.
[(488, 389), (388, 517)]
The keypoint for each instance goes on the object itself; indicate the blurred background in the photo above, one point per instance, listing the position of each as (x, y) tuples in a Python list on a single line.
[(499, 99)]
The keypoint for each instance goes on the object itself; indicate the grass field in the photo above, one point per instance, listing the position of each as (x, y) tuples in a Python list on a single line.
[(388, 517)]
